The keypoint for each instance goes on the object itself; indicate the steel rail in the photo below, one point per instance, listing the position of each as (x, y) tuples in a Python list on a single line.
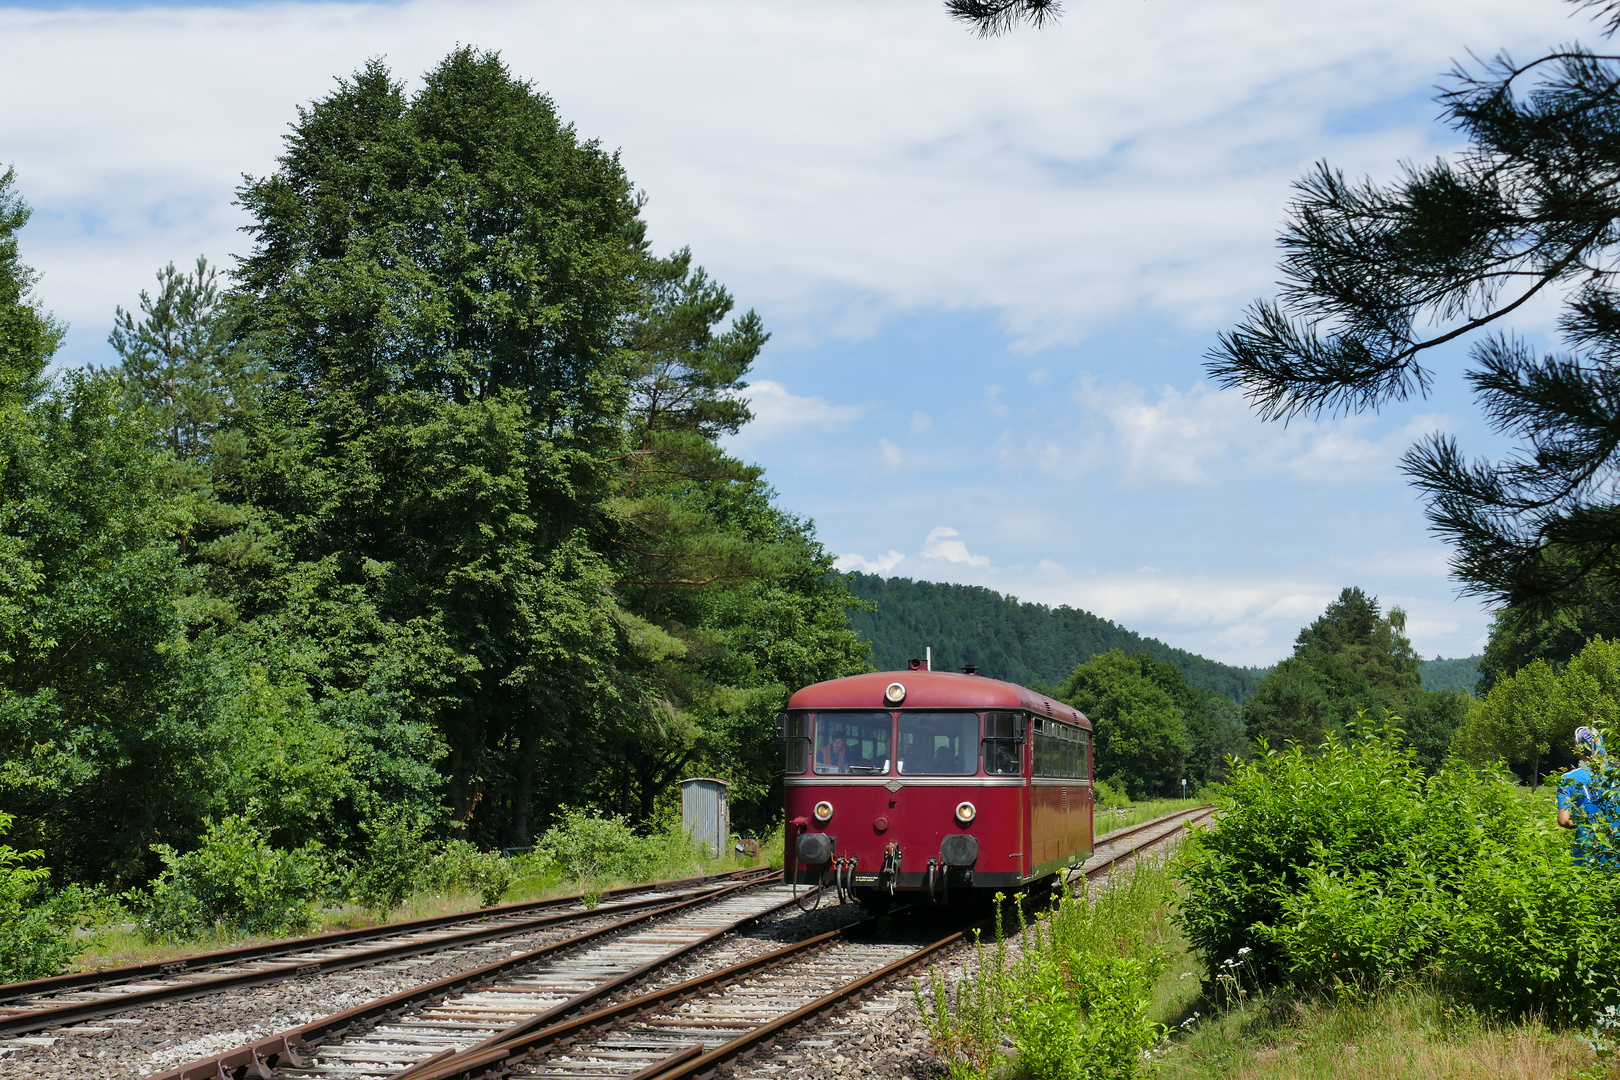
[(259, 1058), (69, 1012), (507, 1050), (1193, 817), (1164, 819), (94, 980)]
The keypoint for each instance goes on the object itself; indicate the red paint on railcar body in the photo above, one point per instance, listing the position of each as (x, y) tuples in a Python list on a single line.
[(892, 821)]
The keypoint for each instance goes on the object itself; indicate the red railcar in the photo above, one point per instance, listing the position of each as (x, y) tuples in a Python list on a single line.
[(933, 781)]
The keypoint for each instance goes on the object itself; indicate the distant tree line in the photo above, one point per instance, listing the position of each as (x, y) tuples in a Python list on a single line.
[(421, 510), (1026, 643)]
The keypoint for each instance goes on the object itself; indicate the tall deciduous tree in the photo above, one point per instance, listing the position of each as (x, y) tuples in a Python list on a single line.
[(1353, 658), (1141, 733), (442, 281), (1378, 277)]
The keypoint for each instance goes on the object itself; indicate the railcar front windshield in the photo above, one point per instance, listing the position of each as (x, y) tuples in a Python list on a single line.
[(853, 742), (939, 743)]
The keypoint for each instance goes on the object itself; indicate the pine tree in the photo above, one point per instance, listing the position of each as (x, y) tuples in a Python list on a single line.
[(1529, 208)]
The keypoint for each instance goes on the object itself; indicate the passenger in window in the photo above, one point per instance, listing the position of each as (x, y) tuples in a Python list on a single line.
[(945, 761)]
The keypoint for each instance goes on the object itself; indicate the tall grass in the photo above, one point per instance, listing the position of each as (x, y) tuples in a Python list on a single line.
[(1069, 998)]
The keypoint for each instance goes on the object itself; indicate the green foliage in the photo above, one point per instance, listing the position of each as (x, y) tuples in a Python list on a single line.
[(1031, 644), (392, 866), (1528, 719), (1519, 636), (592, 848), (37, 925), (1352, 659), (458, 866), (1104, 796), (1457, 674), (1153, 727), (1074, 1000), (28, 336), (180, 362), (1352, 869), (1141, 735), (426, 509), (1462, 242), (233, 883)]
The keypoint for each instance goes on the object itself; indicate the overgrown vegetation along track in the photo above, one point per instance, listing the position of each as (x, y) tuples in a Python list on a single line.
[(695, 1027), (46, 1003)]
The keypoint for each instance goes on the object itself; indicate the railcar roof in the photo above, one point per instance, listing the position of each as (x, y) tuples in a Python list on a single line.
[(931, 690)]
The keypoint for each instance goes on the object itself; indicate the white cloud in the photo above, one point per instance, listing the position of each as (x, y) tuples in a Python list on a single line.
[(892, 457), (942, 543), (834, 163), (920, 422), (1203, 436), (880, 565), (778, 411)]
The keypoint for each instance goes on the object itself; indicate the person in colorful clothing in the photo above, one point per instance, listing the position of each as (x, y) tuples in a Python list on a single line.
[(1582, 800), (833, 757)]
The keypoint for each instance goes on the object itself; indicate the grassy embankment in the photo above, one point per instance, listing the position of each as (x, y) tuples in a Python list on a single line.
[(1229, 1031), (123, 944)]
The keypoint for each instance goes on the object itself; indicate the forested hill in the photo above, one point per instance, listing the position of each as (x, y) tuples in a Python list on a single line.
[(1442, 674), (1008, 639)]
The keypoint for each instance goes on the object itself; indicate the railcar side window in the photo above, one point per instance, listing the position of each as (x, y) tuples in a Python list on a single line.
[(1003, 743), (939, 743), (796, 730), (853, 742), (1061, 750)]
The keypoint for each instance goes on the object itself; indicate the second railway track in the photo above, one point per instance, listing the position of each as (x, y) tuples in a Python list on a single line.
[(46, 1003)]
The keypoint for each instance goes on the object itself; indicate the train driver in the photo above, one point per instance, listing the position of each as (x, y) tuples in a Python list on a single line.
[(833, 757)]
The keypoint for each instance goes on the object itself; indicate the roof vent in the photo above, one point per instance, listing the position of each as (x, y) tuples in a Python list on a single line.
[(970, 669)]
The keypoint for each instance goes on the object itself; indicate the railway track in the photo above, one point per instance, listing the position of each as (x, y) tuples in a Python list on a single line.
[(553, 1017), (47, 1003)]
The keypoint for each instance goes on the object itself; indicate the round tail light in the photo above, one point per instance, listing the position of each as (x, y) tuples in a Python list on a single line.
[(823, 811), (965, 812)]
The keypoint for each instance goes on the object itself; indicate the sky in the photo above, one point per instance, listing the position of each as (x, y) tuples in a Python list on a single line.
[(991, 268)]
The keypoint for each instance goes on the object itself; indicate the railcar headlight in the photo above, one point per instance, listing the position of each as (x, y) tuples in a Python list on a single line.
[(895, 693), (965, 812), (823, 811)]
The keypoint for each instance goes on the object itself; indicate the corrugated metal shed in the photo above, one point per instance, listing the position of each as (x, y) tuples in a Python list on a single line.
[(704, 813)]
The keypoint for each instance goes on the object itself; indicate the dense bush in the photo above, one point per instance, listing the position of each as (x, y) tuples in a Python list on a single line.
[(458, 866), (233, 883), (394, 858), (1348, 868), (590, 848), (37, 925)]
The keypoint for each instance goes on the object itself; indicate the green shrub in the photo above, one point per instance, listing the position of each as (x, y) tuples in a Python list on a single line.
[(1349, 808), (591, 849), (37, 925), (459, 866), (1350, 870), (234, 883), (394, 862), (1104, 796)]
